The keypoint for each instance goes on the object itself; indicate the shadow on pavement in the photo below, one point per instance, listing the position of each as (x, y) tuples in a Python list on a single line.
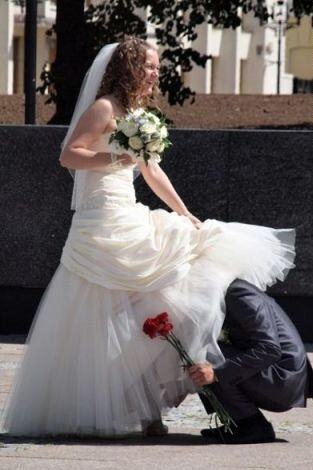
[(174, 439)]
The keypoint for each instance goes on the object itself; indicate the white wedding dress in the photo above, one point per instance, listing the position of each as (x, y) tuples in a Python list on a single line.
[(88, 368)]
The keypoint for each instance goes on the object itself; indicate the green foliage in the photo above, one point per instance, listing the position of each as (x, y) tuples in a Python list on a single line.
[(110, 21), (175, 25), (302, 7)]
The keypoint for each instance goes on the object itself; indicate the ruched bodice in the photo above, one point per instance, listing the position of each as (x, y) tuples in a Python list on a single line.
[(119, 243), (110, 187)]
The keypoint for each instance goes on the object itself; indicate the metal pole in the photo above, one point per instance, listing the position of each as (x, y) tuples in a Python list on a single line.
[(30, 47), (279, 57)]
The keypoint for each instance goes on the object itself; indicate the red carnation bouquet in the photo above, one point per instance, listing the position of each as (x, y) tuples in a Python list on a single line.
[(161, 326)]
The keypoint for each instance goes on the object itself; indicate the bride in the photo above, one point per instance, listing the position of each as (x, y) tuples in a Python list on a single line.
[(88, 367)]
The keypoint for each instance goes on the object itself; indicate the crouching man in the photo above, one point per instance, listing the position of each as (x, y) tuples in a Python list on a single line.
[(266, 366)]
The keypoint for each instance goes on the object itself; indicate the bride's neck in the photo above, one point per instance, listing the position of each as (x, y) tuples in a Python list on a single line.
[(119, 106)]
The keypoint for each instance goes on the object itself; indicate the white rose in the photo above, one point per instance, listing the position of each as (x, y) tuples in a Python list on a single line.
[(154, 118), (161, 147), (138, 112), (153, 146), (148, 128), (135, 143), (155, 135), (163, 132), (128, 128), (120, 124)]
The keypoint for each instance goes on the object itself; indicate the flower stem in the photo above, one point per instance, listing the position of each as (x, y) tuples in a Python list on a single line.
[(205, 391)]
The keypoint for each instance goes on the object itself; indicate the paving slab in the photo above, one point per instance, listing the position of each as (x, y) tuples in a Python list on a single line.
[(183, 448)]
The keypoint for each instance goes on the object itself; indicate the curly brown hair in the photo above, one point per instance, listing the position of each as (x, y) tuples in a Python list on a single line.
[(125, 74)]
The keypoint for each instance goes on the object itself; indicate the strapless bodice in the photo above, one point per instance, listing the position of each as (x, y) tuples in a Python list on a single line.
[(110, 187)]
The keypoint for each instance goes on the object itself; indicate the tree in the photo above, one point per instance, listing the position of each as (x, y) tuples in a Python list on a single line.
[(66, 72), (82, 32)]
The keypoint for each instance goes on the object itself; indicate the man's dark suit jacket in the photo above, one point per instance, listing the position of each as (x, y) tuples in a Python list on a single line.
[(266, 359)]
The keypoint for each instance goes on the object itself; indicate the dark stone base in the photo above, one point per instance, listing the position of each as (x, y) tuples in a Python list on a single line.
[(18, 306), (300, 311), (248, 176)]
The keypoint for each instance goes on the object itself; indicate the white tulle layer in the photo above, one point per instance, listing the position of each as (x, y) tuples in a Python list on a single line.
[(88, 368)]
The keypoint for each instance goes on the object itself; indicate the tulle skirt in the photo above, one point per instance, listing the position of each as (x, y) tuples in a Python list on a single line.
[(90, 370)]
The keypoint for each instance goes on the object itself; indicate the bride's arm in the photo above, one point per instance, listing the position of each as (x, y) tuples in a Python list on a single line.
[(163, 188), (76, 154)]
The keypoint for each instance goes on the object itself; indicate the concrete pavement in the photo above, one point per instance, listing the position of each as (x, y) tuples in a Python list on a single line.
[(182, 449)]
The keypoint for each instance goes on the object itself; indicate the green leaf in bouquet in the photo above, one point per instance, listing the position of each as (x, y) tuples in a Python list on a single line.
[(167, 143), (163, 118), (145, 138), (123, 140), (146, 157)]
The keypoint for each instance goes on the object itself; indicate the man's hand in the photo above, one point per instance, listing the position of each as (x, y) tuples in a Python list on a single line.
[(202, 374)]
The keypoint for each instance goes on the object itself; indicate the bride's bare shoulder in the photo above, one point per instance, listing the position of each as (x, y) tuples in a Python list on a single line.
[(111, 103), (104, 104), (99, 114)]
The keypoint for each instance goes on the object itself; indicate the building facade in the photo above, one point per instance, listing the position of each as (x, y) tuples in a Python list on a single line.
[(243, 61), (299, 54), (12, 43)]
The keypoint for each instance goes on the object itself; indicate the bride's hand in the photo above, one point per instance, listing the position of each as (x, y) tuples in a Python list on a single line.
[(123, 159), (196, 222)]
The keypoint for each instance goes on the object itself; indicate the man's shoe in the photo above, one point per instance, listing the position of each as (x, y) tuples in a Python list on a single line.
[(252, 430), (212, 432)]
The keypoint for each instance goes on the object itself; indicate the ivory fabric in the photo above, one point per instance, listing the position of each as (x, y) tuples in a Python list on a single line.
[(88, 367)]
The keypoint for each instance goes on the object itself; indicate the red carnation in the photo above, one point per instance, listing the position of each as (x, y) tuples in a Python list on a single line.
[(164, 325), (161, 326), (165, 329), (150, 327), (162, 317), (158, 325)]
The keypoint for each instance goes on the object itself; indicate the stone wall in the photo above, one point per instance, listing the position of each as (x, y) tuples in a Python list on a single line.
[(256, 177)]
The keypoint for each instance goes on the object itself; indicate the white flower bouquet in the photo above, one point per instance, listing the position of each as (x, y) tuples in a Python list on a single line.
[(142, 135)]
